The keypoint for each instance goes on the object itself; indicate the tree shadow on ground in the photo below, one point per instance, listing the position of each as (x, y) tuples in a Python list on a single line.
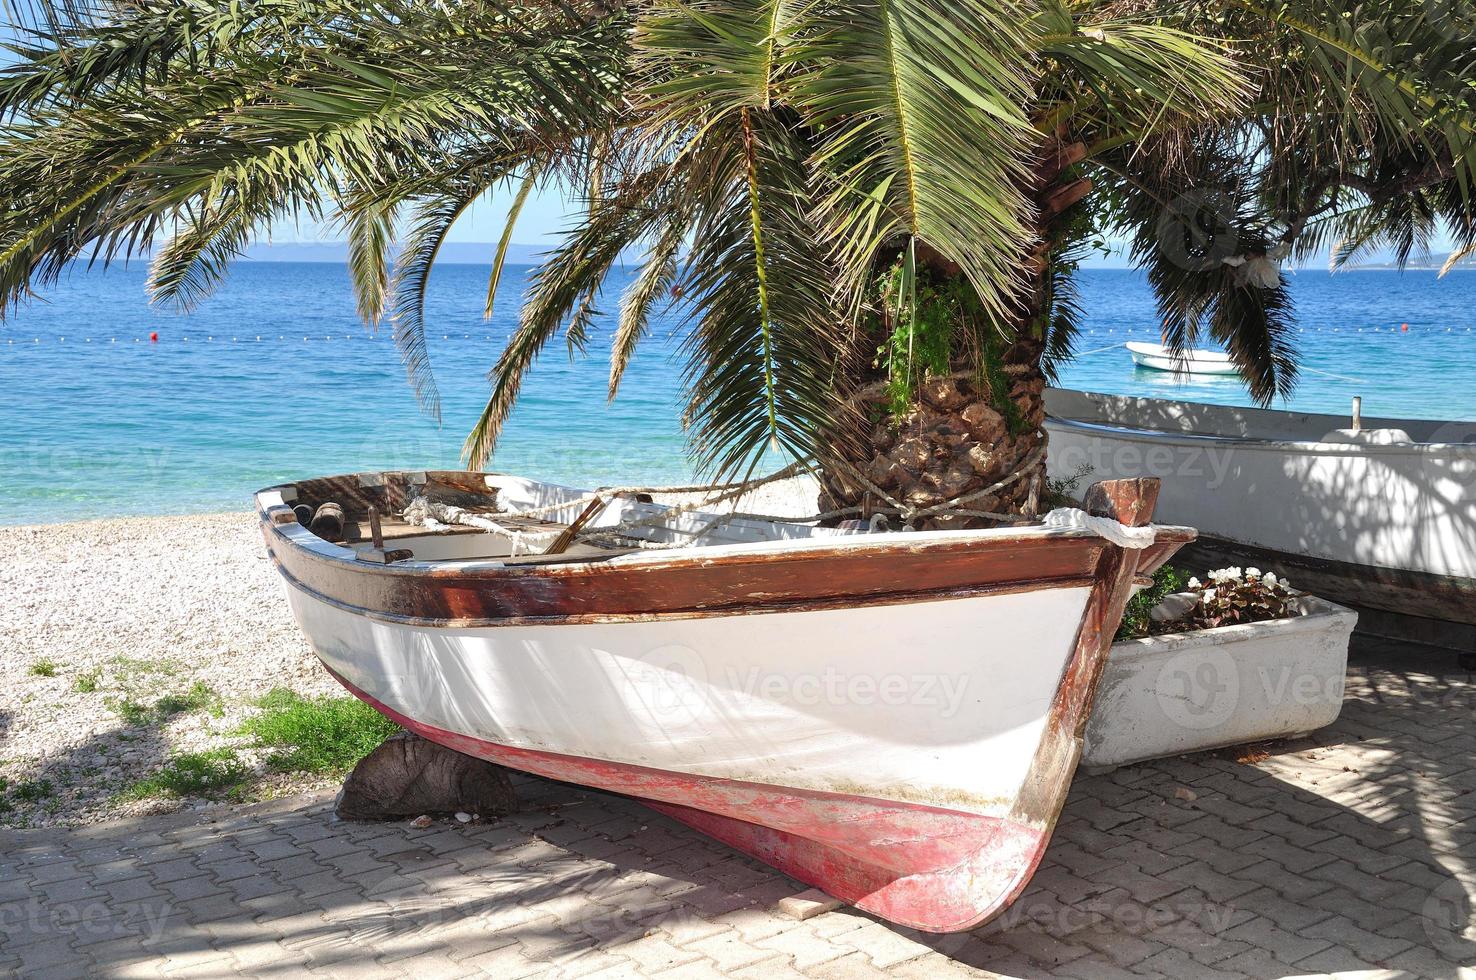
[(74, 774), (1346, 851)]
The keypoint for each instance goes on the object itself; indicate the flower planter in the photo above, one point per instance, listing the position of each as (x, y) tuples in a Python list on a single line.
[(1188, 692)]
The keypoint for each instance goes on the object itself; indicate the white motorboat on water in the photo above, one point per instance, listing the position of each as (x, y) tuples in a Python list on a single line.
[(893, 717), (1380, 514), (1157, 357)]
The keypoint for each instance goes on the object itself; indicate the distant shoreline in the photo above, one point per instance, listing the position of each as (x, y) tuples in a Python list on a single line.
[(480, 253)]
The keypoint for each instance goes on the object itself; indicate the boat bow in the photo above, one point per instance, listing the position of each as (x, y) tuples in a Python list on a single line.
[(685, 677)]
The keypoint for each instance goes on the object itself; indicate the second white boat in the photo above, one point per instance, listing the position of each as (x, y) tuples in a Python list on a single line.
[(1157, 357)]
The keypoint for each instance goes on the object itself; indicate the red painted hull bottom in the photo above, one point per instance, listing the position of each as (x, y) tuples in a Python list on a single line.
[(919, 866)]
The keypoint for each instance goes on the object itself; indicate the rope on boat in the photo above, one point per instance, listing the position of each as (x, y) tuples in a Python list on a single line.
[(436, 516), (433, 515), (909, 515), (1131, 538), (948, 508), (734, 490), (1335, 377)]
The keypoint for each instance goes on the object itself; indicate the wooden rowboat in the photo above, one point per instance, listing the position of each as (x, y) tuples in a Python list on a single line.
[(1382, 517), (1157, 357), (892, 717)]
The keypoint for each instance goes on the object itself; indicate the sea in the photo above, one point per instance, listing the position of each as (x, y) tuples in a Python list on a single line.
[(109, 407)]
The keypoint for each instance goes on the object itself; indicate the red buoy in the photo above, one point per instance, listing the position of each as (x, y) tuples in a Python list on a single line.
[(154, 337), (1404, 327)]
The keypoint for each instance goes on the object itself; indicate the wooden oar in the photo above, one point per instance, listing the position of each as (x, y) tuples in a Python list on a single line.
[(566, 538)]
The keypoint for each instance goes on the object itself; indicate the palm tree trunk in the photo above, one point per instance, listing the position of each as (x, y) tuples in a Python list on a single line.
[(953, 445), (968, 447)]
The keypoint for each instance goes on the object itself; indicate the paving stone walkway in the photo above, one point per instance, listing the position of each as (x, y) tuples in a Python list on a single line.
[(1354, 850)]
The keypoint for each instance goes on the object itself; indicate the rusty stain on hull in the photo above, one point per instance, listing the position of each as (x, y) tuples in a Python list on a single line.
[(929, 862)]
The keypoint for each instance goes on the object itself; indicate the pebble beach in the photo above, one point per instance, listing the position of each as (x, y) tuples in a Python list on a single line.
[(110, 612), (107, 614)]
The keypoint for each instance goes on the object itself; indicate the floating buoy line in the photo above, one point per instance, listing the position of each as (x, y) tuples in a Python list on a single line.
[(153, 337)]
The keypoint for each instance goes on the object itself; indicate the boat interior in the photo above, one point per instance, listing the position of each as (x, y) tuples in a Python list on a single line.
[(485, 516), (1192, 418)]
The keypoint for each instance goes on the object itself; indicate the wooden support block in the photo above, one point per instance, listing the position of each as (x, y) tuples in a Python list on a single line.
[(808, 904)]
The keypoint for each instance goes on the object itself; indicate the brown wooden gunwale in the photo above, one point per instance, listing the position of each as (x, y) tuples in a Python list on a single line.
[(692, 584), (750, 609), (1131, 502), (595, 592)]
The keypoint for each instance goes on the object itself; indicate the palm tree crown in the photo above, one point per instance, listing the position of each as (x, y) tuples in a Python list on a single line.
[(801, 178)]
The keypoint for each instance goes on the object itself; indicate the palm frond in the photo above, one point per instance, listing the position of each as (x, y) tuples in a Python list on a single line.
[(570, 273), (656, 279), (767, 343), (499, 258), (371, 234), (431, 223), (918, 107)]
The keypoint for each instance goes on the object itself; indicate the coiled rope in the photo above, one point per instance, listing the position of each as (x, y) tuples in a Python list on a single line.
[(422, 511)]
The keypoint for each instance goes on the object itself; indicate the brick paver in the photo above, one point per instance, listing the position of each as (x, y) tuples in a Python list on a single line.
[(1354, 850)]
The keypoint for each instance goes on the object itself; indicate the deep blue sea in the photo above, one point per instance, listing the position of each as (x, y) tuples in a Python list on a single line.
[(275, 378)]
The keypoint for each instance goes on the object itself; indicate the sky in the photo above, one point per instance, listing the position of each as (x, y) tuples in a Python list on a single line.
[(545, 216)]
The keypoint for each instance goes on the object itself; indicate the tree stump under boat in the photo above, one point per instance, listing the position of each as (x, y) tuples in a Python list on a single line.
[(407, 776)]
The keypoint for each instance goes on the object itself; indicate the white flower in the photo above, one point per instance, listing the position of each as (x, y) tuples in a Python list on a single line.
[(1270, 580), (1194, 583), (1209, 595), (1252, 573)]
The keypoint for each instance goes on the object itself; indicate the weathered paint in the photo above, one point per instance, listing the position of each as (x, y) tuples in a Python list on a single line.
[(941, 864), (1386, 521), (920, 866)]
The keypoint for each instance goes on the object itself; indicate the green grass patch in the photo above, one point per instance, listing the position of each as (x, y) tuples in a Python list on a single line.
[(31, 790), (132, 666), (44, 667), (87, 683), (193, 774), (199, 697), (317, 735), (131, 711)]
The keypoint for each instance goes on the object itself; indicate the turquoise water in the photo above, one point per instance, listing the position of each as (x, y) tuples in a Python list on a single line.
[(98, 421)]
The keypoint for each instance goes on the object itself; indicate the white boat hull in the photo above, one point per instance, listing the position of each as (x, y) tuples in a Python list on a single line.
[(1156, 357), (895, 702), (1298, 489), (892, 717)]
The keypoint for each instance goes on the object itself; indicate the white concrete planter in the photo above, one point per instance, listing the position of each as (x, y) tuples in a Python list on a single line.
[(1187, 692)]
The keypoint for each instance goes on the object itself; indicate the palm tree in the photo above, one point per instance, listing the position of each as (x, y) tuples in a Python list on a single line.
[(870, 210)]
